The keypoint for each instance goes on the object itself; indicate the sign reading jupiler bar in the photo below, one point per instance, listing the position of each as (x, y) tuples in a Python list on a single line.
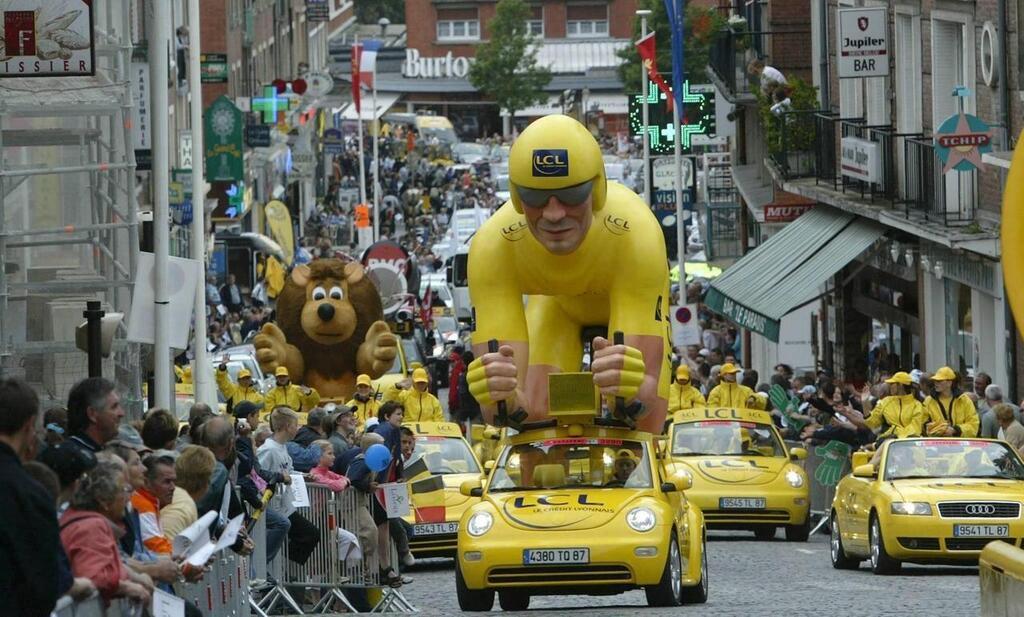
[(863, 42), (46, 38)]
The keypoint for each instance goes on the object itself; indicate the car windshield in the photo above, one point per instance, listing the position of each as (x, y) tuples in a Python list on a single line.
[(725, 438), (237, 364), (471, 148), (572, 462), (952, 458), (446, 324), (444, 455), (412, 354)]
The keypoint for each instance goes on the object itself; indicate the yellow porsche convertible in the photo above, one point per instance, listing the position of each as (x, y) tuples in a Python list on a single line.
[(580, 507), (445, 461), (743, 476), (927, 500)]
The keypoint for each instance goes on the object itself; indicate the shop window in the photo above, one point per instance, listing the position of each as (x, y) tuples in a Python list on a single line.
[(586, 20), (961, 346)]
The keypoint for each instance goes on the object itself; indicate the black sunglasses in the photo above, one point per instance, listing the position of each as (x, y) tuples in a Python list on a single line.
[(570, 195)]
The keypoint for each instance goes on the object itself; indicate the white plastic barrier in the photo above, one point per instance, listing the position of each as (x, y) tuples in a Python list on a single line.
[(1001, 573)]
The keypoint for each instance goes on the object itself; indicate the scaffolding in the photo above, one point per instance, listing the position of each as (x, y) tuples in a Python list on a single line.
[(68, 215)]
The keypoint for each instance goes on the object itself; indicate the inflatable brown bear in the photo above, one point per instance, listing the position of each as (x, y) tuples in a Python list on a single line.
[(329, 329)]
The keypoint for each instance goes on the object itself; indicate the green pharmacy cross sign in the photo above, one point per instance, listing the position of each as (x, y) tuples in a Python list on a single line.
[(698, 117), (223, 125), (270, 104)]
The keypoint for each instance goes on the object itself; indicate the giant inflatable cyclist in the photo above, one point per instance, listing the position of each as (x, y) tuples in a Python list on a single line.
[(587, 252)]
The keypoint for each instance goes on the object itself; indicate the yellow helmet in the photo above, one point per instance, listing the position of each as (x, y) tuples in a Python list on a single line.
[(556, 152)]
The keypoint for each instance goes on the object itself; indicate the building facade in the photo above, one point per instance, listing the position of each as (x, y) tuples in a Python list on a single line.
[(926, 290)]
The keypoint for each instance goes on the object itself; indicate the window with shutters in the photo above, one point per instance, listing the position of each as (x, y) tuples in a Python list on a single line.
[(458, 25), (851, 97), (908, 73), (952, 66), (586, 20), (535, 24)]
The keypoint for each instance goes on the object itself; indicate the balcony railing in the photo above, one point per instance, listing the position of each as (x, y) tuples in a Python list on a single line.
[(728, 59), (947, 198)]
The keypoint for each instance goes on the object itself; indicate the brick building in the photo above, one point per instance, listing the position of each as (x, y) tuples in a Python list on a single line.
[(926, 288), (577, 40)]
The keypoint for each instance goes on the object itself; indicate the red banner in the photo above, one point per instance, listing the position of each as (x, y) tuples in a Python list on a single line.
[(357, 51), (647, 54)]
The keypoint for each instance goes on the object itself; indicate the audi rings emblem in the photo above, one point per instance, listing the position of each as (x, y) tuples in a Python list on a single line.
[(980, 509)]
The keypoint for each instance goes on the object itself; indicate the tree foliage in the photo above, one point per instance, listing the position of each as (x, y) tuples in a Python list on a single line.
[(701, 26), (369, 11), (506, 67)]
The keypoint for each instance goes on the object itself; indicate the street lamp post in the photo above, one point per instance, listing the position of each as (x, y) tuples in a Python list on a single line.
[(643, 13)]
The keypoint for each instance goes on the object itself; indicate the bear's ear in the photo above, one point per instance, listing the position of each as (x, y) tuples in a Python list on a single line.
[(353, 272), (300, 275)]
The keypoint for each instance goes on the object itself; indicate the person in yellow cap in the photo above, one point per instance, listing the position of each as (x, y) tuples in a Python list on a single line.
[(233, 393), (624, 465), (950, 412), (364, 402), (301, 399), (420, 405), (588, 252), (898, 415), (682, 395), (729, 393)]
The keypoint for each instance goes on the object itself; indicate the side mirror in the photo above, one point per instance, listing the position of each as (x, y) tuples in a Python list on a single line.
[(861, 458), (797, 454), (488, 466), (471, 488), (492, 433), (864, 471), (678, 483)]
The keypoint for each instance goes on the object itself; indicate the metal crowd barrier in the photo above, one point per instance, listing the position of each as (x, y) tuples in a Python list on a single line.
[(821, 494), (224, 589), (1001, 570), (93, 607), (325, 571)]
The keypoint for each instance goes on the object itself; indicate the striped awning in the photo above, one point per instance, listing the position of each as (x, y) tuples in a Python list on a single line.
[(789, 269)]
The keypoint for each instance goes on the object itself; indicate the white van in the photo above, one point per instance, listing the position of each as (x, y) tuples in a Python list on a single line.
[(458, 282)]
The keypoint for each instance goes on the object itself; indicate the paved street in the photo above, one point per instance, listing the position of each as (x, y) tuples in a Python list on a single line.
[(756, 578)]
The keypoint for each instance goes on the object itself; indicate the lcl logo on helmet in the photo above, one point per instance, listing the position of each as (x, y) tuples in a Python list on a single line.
[(550, 162), (980, 508)]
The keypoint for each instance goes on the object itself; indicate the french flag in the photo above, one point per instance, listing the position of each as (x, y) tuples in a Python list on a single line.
[(368, 62)]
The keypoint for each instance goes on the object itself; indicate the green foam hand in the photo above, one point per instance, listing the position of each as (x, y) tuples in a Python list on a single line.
[(833, 455)]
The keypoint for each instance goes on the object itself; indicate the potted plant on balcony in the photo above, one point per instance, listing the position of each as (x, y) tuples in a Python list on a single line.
[(789, 127), (740, 32)]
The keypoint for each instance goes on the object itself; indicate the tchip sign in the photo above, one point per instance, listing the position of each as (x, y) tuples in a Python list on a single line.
[(863, 42)]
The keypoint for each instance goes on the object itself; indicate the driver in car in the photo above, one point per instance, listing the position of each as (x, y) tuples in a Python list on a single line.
[(623, 467)]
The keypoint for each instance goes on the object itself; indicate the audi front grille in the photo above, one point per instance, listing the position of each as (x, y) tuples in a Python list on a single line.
[(979, 509)]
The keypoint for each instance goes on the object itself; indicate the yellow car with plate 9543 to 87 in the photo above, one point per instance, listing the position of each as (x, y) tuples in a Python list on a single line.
[(579, 505), (446, 460), (927, 500), (743, 475)]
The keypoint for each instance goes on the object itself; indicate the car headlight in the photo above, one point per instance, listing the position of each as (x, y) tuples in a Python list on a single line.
[(641, 519), (795, 479), (479, 524), (916, 508)]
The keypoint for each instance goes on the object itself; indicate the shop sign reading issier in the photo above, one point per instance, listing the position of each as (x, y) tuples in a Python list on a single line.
[(863, 42), (960, 142), (46, 38)]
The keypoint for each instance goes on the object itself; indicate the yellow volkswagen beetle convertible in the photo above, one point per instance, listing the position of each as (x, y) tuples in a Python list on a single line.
[(743, 475), (444, 454), (579, 505), (927, 501)]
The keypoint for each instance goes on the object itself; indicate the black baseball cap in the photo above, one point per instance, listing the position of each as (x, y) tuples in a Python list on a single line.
[(246, 409), (68, 460)]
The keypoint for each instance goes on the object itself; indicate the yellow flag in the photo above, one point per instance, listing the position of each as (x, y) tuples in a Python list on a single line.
[(279, 220)]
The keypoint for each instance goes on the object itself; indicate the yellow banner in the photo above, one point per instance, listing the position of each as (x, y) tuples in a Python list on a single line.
[(279, 221)]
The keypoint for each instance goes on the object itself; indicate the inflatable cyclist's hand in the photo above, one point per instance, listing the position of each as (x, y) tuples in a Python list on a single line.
[(618, 369), (492, 377)]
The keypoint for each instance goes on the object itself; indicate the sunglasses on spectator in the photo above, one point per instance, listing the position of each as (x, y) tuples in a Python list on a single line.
[(569, 196)]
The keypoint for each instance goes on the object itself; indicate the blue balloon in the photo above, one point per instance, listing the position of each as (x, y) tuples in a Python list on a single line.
[(378, 457)]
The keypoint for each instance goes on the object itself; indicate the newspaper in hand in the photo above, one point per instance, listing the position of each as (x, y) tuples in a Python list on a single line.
[(193, 537)]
